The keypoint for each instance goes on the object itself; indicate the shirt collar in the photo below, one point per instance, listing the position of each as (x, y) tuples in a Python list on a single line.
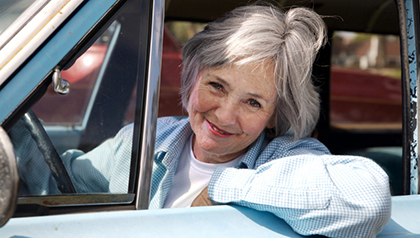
[(254, 151)]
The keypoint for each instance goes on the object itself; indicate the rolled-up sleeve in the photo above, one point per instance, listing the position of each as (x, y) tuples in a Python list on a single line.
[(335, 196)]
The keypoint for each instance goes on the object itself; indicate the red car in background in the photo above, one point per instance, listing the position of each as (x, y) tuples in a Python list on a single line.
[(358, 96)]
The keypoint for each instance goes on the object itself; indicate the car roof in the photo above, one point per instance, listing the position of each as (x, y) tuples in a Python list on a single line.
[(378, 16)]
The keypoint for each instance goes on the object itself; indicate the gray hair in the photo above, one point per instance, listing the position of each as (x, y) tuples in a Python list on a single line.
[(258, 34)]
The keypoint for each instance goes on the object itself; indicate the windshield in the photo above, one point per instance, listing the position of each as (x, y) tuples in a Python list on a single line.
[(10, 10), (13, 14)]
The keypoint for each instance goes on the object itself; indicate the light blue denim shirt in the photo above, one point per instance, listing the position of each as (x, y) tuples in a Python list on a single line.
[(297, 180)]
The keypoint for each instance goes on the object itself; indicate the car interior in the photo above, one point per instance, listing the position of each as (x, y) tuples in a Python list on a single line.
[(358, 74)]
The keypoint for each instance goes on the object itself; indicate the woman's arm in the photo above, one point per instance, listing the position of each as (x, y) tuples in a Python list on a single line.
[(104, 169), (335, 196)]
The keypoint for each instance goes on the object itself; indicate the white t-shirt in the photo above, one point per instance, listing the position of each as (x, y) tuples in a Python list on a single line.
[(191, 177)]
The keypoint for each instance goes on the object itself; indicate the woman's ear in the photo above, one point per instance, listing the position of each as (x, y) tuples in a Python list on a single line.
[(192, 88)]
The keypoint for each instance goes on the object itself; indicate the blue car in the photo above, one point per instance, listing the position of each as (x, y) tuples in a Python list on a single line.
[(74, 72)]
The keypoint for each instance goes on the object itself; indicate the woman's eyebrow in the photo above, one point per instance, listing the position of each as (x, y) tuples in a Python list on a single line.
[(258, 96), (224, 82)]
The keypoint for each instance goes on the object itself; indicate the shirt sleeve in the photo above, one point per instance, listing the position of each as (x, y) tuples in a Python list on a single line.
[(104, 169), (335, 196)]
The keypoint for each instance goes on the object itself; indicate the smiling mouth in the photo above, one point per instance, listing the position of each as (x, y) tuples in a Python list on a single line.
[(218, 130)]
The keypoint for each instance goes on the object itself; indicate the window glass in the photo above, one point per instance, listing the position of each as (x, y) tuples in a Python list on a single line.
[(91, 127), (365, 81), (84, 75)]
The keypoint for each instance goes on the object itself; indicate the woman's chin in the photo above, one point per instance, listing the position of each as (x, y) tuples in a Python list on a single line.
[(217, 151), (211, 147)]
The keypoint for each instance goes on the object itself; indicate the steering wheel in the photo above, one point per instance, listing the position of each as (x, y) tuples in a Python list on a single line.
[(47, 149)]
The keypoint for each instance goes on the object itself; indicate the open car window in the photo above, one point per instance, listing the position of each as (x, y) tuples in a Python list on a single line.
[(365, 81), (366, 98)]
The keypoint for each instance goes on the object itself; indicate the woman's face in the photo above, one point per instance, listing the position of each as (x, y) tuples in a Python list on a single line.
[(229, 108)]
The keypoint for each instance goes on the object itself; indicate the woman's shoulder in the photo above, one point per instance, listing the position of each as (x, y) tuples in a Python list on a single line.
[(172, 120), (169, 123), (290, 146), (172, 128)]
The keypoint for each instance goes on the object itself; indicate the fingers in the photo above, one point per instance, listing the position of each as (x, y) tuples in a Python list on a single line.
[(202, 199)]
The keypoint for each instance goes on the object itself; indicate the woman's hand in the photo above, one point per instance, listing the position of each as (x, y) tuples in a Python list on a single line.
[(202, 199)]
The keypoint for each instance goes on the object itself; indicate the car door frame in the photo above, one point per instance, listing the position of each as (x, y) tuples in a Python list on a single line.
[(410, 46), (145, 122)]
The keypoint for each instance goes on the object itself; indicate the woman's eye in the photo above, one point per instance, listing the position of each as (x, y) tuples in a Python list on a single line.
[(254, 103), (217, 86)]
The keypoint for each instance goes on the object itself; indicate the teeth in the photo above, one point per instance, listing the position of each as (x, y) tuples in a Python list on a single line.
[(219, 130)]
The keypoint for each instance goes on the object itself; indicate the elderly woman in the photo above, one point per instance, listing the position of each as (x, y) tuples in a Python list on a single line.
[(246, 84)]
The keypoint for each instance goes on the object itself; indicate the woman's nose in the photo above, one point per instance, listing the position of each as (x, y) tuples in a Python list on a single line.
[(227, 113)]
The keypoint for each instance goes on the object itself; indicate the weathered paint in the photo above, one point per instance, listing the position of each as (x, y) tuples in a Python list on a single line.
[(412, 61)]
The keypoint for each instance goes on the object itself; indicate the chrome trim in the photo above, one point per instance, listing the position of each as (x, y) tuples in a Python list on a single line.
[(60, 85), (151, 106), (78, 200), (410, 70), (101, 73), (412, 16), (405, 82)]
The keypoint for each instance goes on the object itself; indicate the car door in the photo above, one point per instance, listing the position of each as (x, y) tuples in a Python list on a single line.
[(110, 52), (29, 83)]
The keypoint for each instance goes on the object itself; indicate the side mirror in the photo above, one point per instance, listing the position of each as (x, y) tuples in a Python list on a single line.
[(9, 178)]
